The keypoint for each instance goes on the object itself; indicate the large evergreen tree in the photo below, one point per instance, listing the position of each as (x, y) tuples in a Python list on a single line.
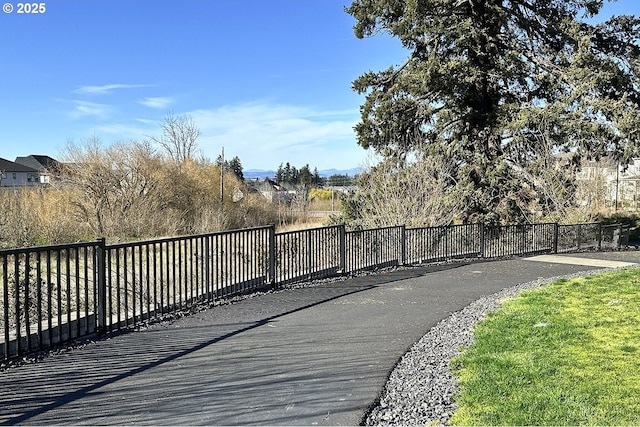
[(498, 86), (236, 167), (305, 178)]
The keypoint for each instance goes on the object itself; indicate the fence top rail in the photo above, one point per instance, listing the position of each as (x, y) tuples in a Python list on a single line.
[(613, 225), (139, 243), (364, 230), (309, 230), (533, 224), (49, 248), (583, 223), (516, 226), (439, 227)]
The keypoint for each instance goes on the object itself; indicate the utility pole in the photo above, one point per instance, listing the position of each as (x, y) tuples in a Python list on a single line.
[(332, 206), (222, 181), (617, 182)]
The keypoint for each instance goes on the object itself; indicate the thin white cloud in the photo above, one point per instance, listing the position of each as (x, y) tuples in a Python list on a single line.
[(104, 89), (264, 134), (156, 102), (148, 121), (83, 109), (124, 132)]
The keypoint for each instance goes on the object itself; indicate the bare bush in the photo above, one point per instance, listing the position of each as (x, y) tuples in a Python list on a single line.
[(127, 191), (420, 192), (556, 197), (37, 216), (117, 189), (16, 228)]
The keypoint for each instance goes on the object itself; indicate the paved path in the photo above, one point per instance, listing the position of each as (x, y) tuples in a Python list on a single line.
[(311, 356)]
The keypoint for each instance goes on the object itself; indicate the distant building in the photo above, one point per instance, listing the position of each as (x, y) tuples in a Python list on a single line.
[(17, 175), (273, 192), (609, 183), (344, 189), (48, 167)]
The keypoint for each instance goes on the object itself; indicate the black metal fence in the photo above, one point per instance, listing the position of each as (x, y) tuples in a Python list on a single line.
[(307, 254), (54, 294)]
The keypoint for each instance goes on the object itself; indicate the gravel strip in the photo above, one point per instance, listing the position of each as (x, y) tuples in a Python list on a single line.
[(420, 389)]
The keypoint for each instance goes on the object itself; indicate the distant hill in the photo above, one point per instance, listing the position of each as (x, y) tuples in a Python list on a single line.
[(257, 173), (350, 172), (262, 174)]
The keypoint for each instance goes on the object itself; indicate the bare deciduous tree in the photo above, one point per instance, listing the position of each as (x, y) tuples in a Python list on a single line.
[(179, 137)]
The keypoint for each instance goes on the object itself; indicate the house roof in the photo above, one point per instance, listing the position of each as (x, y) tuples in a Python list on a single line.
[(9, 166), (39, 162)]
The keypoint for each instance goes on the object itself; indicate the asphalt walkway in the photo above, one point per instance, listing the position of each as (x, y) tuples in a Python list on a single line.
[(310, 356)]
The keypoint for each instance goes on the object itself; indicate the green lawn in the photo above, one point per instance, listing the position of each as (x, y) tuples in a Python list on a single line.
[(565, 354)]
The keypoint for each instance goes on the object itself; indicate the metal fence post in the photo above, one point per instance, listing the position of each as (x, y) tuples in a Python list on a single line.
[(101, 270), (481, 226), (579, 236), (343, 248), (309, 256), (555, 237), (272, 255), (403, 247), (619, 245), (446, 242), (599, 236), (207, 267)]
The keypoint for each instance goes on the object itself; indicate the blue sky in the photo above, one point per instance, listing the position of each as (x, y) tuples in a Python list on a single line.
[(270, 80)]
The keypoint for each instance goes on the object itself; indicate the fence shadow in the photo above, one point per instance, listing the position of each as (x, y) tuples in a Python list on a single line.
[(114, 358), (40, 392)]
